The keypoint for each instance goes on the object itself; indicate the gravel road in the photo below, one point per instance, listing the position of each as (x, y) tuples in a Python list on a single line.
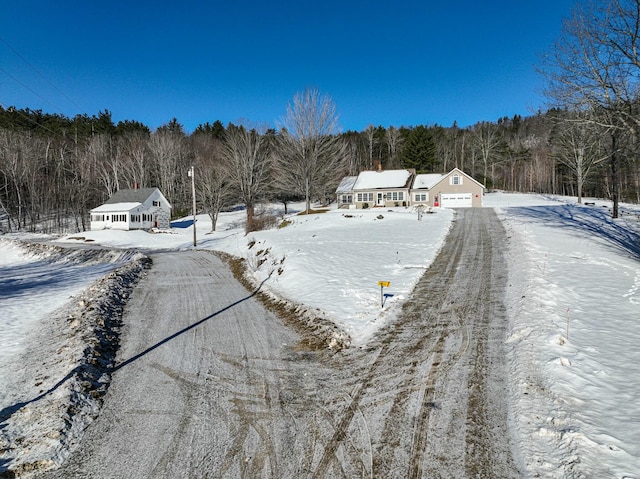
[(211, 385)]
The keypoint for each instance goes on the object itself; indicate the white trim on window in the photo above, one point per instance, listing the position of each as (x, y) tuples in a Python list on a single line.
[(421, 197), (455, 179)]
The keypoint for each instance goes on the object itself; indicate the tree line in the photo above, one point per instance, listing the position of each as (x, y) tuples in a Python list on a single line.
[(54, 169), (53, 172)]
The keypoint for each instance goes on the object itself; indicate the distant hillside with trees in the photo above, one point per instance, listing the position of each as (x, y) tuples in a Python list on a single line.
[(54, 169)]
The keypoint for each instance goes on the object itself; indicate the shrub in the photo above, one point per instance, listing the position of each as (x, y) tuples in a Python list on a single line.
[(262, 222)]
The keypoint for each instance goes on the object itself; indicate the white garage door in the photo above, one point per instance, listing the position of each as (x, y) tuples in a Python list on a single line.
[(456, 200)]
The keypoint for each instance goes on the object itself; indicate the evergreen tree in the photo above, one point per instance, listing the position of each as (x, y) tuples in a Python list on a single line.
[(216, 130), (419, 150), (172, 127), (131, 126)]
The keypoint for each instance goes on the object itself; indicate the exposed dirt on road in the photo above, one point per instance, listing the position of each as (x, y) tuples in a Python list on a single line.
[(209, 384)]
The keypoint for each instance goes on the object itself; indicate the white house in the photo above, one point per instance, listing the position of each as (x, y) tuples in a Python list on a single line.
[(135, 209)]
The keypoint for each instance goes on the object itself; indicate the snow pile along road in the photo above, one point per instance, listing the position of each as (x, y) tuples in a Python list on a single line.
[(56, 363)]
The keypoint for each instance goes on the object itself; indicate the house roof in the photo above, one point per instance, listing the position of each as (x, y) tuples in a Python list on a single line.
[(131, 196), (427, 181), (371, 180), (346, 185), (116, 207)]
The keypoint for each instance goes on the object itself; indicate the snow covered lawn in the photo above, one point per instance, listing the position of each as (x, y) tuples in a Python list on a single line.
[(573, 302), (575, 338), (333, 262)]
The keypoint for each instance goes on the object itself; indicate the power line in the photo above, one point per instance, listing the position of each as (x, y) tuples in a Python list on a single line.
[(32, 91), (39, 74)]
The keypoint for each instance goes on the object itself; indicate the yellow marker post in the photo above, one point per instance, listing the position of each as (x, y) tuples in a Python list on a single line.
[(383, 284)]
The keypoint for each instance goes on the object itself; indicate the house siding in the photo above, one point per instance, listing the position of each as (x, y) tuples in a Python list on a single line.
[(393, 197), (130, 213), (430, 189), (467, 185)]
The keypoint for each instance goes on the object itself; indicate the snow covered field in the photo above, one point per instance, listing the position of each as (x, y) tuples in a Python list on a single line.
[(573, 301), (575, 337)]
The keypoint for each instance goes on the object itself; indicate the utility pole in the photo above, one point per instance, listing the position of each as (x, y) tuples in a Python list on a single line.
[(193, 192)]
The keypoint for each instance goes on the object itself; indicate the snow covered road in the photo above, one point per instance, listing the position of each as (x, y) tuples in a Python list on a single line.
[(202, 366), (209, 384)]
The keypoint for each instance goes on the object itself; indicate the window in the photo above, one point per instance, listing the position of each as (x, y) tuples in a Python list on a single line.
[(395, 195), (456, 180), (97, 217), (421, 197), (364, 197), (156, 203)]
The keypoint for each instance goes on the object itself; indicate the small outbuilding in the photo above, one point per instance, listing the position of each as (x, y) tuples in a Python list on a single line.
[(133, 209)]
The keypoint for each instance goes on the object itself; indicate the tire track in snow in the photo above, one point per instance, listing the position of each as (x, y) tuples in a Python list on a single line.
[(409, 372)]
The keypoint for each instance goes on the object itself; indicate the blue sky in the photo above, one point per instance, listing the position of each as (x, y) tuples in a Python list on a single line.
[(401, 63)]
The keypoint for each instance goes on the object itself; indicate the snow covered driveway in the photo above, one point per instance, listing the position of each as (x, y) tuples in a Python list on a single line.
[(429, 396), (209, 384)]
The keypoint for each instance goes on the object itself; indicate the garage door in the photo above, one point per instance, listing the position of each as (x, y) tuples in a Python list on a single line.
[(456, 200)]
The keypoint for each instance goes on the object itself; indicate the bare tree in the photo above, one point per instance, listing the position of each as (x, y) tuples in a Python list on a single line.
[(370, 135), (167, 152), (213, 185), (134, 149), (394, 143), (310, 155), (594, 67), (487, 140), (580, 148), (247, 154), (15, 171)]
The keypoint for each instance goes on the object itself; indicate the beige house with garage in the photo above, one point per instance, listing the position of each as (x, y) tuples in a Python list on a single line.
[(455, 189), (389, 188)]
